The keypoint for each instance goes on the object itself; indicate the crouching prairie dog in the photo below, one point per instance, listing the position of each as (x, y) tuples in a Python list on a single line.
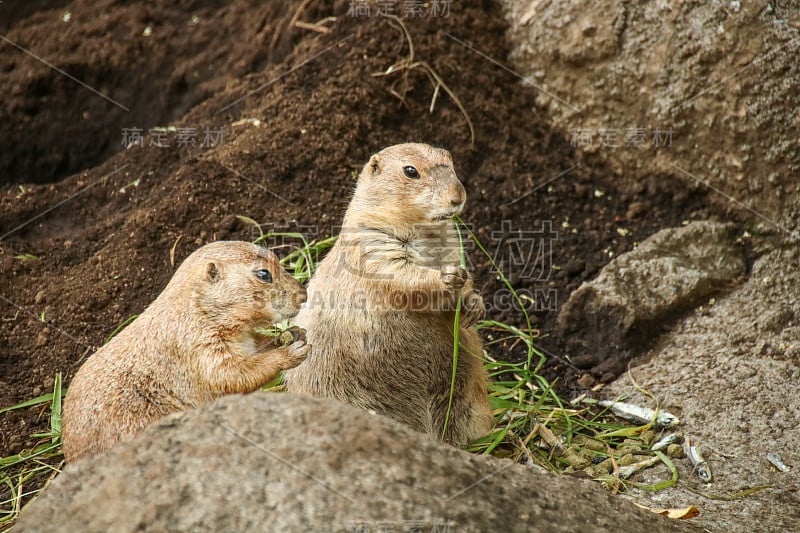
[(381, 306), (194, 343)]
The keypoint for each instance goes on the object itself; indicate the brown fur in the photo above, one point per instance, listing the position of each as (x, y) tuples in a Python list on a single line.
[(381, 305), (194, 343)]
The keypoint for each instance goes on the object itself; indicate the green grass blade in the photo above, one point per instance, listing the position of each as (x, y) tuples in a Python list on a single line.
[(456, 339), (55, 410), (120, 327), (44, 398)]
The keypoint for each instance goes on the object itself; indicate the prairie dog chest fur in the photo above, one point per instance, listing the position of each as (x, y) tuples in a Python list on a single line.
[(398, 225), (382, 303), (433, 245)]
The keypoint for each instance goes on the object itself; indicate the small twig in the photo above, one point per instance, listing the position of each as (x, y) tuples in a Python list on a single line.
[(433, 99), (313, 27), (296, 17), (407, 64), (615, 468), (279, 30), (172, 250)]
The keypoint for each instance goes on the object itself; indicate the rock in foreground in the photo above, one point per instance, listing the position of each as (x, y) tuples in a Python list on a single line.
[(274, 462)]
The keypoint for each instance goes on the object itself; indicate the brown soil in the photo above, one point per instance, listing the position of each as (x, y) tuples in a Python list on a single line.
[(104, 252)]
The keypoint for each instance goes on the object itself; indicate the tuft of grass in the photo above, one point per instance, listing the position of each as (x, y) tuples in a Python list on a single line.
[(456, 338), (35, 467), (534, 425), (302, 261)]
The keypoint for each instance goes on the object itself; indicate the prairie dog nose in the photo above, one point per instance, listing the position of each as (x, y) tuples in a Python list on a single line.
[(457, 193)]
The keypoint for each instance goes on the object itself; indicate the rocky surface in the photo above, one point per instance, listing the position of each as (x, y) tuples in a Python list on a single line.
[(730, 371), (701, 93), (273, 462)]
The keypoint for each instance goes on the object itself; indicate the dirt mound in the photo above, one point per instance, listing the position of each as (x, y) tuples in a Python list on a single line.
[(118, 65)]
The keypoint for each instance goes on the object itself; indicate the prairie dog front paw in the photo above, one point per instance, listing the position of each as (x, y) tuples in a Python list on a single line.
[(453, 277), (296, 352), (472, 308)]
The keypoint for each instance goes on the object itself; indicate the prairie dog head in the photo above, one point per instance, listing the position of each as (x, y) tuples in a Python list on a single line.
[(408, 184), (240, 285)]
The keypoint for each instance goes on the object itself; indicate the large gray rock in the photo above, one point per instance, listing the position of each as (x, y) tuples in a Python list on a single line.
[(271, 462), (691, 91), (666, 275)]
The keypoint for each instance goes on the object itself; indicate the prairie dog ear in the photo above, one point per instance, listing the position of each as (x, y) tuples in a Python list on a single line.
[(212, 273), (375, 164)]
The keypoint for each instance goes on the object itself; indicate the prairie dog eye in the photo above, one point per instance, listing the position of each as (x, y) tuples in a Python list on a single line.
[(263, 275), (410, 172)]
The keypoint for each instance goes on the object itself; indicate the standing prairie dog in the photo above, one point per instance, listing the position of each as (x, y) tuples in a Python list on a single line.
[(194, 343), (381, 305)]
